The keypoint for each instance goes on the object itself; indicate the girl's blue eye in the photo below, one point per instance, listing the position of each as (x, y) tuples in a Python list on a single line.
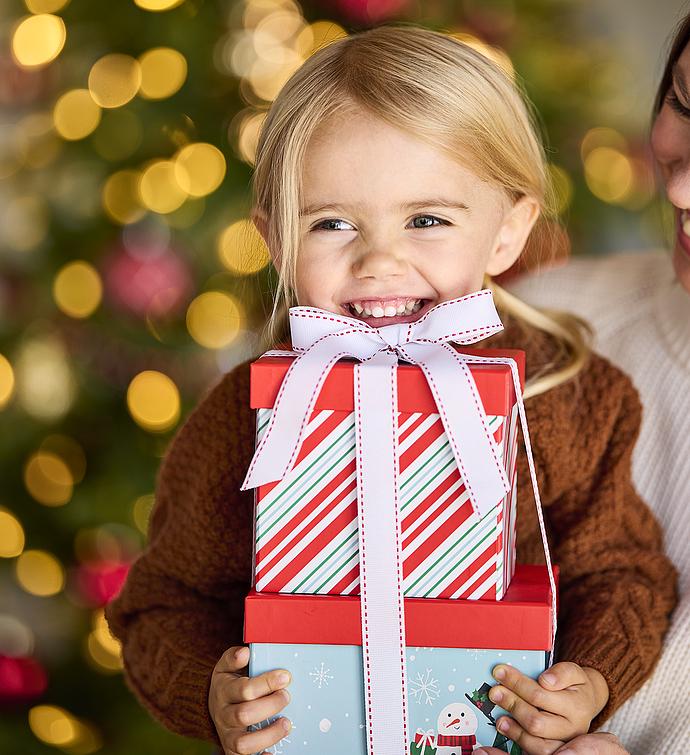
[(426, 224)]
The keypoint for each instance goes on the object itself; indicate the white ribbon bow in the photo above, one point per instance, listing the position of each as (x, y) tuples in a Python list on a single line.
[(423, 738), (319, 340)]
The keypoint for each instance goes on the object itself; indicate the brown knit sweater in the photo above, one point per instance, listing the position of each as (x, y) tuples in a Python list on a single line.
[(182, 604)]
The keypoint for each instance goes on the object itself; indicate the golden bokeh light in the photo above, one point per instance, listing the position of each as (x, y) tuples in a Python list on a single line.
[(267, 77), (199, 169), (163, 72), (77, 289), (120, 197), (25, 222), (186, 216), (114, 80), (11, 535), (609, 174), (58, 728), (317, 35), (37, 40), (76, 115), (39, 573), (6, 381), (562, 187), (158, 5), (242, 249), (247, 128), (214, 319), (69, 451), (159, 189), (16, 638), (153, 401), (141, 511), (45, 384), (45, 6), (602, 136), (102, 649), (48, 479), (42, 142), (494, 54)]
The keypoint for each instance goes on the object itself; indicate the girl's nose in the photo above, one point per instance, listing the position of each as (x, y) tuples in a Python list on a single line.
[(378, 263)]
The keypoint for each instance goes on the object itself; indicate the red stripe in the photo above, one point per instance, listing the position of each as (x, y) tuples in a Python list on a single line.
[(421, 444), (472, 569), (321, 433), (345, 582), (317, 547), (409, 531), (437, 537)]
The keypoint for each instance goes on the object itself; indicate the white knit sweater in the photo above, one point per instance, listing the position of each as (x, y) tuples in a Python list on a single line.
[(641, 317)]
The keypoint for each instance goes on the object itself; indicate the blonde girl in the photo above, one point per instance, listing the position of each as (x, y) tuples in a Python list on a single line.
[(399, 168)]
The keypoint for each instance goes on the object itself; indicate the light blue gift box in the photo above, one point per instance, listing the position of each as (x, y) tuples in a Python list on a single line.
[(452, 646)]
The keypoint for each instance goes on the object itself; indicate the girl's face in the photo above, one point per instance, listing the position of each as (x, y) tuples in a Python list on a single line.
[(391, 227), (671, 148)]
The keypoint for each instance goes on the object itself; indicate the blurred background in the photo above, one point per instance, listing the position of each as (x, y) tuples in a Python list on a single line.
[(130, 277)]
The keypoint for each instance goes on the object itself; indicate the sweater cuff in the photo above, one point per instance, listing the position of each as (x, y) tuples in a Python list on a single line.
[(615, 660)]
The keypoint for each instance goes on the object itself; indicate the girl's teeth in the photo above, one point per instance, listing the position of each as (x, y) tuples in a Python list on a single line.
[(401, 309), (358, 309), (367, 311), (377, 311), (390, 311)]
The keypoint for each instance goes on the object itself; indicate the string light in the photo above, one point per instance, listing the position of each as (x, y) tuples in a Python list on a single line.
[(163, 72), (199, 169), (57, 727), (48, 479), (153, 401), (104, 650), (77, 289), (45, 384), (39, 573), (76, 115), (159, 189), (120, 197), (45, 6), (114, 80), (11, 535), (38, 40), (158, 5), (214, 319), (609, 174), (6, 381), (242, 249)]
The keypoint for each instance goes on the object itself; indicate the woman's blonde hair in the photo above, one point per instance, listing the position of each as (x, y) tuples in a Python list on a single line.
[(437, 88)]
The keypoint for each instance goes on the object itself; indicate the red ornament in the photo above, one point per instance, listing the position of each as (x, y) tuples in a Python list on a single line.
[(154, 284), (22, 679), (371, 11), (101, 581)]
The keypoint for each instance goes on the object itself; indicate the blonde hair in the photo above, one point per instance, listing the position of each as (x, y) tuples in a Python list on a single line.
[(401, 74)]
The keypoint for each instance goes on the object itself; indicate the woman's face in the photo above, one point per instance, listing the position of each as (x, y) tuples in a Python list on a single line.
[(671, 148)]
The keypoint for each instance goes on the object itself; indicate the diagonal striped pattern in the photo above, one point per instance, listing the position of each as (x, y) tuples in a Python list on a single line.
[(306, 524)]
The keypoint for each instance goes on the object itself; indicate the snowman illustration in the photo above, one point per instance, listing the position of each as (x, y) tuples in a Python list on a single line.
[(457, 726)]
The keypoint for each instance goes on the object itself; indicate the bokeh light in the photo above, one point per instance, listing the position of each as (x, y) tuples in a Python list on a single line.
[(316, 35), (45, 384), (12, 537), (163, 72), (45, 6), (77, 289), (69, 451), (76, 115), (120, 197), (214, 319), (24, 222), (241, 248), (38, 40), (159, 189), (199, 169), (57, 727), (39, 573), (158, 5), (153, 401), (6, 381), (118, 136), (609, 174), (562, 186), (103, 650), (244, 134), (48, 479), (494, 54), (114, 80), (16, 638), (141, 511)]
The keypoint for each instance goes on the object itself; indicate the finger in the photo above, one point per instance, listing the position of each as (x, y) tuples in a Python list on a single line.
[(530, 691), (244, 688), (241, 715), (234, 659), (537, 722), (242, 742), (528, 742), (562, 675), (600, 743)]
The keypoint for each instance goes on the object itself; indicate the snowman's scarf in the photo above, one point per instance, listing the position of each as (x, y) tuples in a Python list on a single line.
[(464, 742)]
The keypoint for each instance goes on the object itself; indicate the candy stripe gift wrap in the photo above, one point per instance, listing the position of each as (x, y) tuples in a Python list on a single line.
[(306, 523), (452, 646)]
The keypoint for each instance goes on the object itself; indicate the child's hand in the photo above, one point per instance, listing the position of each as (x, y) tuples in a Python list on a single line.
[(237, 701), (554, 709)]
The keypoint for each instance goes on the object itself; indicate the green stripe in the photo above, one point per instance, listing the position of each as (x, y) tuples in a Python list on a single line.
[(426, 487), (320, 565)]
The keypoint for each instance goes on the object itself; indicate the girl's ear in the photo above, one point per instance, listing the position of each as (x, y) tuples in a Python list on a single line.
[(512, 235), (260, 220)]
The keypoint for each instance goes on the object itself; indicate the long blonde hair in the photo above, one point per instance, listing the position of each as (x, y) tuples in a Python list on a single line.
[(402, 74)]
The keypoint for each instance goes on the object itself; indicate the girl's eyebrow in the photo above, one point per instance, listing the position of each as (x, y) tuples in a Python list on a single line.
[(679, 81), (410, 206)]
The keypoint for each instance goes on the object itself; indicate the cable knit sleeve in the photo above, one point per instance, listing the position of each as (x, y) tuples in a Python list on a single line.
[(617, 587), (182, 604)]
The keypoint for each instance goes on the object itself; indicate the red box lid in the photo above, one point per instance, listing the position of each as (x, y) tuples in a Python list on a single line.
[(494, 383), (521, 621)]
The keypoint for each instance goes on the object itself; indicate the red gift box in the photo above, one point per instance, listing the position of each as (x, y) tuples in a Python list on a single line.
[(306, 539)]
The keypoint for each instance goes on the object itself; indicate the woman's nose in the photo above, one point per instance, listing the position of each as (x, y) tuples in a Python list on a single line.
[(378, 262)]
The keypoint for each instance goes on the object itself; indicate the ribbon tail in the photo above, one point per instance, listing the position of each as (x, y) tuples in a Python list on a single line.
[(380, 555), (464, 420)]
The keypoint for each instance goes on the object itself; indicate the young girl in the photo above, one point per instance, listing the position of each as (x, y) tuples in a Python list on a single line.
[(397, 169)]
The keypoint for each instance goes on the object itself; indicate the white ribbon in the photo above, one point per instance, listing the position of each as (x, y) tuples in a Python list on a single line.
[(423, 738), (319, 340)]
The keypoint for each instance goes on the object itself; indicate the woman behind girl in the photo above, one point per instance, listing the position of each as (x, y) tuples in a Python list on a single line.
[(398, 168)]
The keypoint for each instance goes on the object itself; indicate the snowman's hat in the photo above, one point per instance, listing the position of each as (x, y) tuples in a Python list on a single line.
[(480, 699)]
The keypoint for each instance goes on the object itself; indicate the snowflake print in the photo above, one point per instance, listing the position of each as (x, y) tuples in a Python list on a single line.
[(277, 748), (321, 676), (425, 688), (476, 653)]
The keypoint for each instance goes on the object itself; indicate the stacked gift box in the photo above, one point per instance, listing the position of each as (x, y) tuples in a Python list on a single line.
[(467, 605)]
